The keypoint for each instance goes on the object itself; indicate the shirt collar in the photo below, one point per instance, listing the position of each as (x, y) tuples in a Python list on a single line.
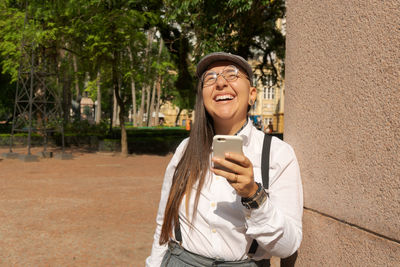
[(245, 132)]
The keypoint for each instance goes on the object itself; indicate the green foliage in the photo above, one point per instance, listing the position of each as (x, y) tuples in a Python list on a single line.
[(91, 89), (247, 28), (11, 23), (102, 35), (84, 128)]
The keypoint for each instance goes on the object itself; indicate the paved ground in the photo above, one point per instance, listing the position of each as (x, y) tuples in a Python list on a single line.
[(95, 210)]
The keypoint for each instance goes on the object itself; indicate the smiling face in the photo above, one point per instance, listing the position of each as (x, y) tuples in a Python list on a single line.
[(227, 99)]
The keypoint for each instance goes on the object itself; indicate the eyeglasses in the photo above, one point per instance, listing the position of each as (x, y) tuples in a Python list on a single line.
[(230, 73)]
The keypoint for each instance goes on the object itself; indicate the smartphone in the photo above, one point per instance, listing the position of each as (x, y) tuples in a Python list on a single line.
[(226, 143)]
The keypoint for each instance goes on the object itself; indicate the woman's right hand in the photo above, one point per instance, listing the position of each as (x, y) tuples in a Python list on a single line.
[(242, 177)]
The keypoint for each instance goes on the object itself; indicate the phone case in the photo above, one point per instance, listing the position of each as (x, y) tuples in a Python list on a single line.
[(226, 143)]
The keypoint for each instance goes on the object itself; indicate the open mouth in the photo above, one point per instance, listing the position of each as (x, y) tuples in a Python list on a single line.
[(220, 98)]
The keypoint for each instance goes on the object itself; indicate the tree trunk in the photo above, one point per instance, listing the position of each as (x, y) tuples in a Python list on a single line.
[(120, 104), (148, 105), (134, 114), (77, 89), (177, 117), (146, 87), (141, 111), (116, 110), (124, 137), (65, 83), (157, 119), (151, 110), (98, 107), (156, 82)]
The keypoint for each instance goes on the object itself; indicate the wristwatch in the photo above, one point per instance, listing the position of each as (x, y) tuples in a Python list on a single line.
[(256, 200)]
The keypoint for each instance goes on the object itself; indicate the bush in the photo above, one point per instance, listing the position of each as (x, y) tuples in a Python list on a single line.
[(6, 128), (159, 141), (21, 139), (84, 128), (110, 145)]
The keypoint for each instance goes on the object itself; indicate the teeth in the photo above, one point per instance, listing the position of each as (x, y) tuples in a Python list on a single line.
[(224, 97)]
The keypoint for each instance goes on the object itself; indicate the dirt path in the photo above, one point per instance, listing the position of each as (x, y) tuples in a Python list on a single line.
[(95, 210)]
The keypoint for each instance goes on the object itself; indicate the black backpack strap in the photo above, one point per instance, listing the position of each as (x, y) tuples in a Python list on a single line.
[(265, 177), (265, 160)]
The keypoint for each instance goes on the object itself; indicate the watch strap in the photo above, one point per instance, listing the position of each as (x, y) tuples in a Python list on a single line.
[(256, 200)]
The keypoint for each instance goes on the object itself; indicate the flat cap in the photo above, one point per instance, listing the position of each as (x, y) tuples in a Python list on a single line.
[(222, 56)]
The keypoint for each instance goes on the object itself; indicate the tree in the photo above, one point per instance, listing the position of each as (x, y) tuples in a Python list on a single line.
[(246, 28), (11, 31), (136, 46), (178, 45), (116, 25), (7, 93)]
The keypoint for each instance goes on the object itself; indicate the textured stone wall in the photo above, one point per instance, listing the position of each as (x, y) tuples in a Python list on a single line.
[(342, 116)]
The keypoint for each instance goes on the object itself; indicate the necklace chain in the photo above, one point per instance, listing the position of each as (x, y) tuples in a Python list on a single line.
[(244, 125)]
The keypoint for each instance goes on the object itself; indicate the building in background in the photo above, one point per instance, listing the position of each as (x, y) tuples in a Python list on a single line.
[(170, 112), (87, 108), (268, 111)]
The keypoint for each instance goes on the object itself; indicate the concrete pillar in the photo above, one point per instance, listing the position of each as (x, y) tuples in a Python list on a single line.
[(342, 116)]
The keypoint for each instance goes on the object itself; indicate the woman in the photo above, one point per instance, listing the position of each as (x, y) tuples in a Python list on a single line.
[(201, 220)]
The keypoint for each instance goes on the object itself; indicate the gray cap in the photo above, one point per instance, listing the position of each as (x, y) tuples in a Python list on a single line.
[(222, 56)]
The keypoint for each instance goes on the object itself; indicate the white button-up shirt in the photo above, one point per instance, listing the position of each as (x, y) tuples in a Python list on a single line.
[(223, 227)]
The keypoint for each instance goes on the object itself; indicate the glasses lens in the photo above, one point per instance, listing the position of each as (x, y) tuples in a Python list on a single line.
[(230, 73), (209, 78)]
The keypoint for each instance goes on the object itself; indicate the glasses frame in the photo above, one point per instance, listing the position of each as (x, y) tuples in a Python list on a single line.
[(237, 74)]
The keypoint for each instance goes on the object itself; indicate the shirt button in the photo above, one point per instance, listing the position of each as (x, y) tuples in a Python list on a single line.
[(213, 204), (213, 230), (216, 178), (247, 216)]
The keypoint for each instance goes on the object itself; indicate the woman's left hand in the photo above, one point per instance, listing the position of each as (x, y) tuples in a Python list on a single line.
[(241, 178)]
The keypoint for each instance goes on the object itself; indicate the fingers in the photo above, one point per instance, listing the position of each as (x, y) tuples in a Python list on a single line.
[(232, 167), (243, 184), (234, 164), (240, 159), (238, 173), (230, 176)]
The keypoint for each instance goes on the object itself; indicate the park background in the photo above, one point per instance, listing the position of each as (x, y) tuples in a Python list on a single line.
[(334, 63)]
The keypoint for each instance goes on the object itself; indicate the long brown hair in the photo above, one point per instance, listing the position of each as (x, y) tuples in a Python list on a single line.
[(192, 167)]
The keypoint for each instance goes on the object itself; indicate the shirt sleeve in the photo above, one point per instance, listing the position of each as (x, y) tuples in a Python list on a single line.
[(157, 251), (277, 224)]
